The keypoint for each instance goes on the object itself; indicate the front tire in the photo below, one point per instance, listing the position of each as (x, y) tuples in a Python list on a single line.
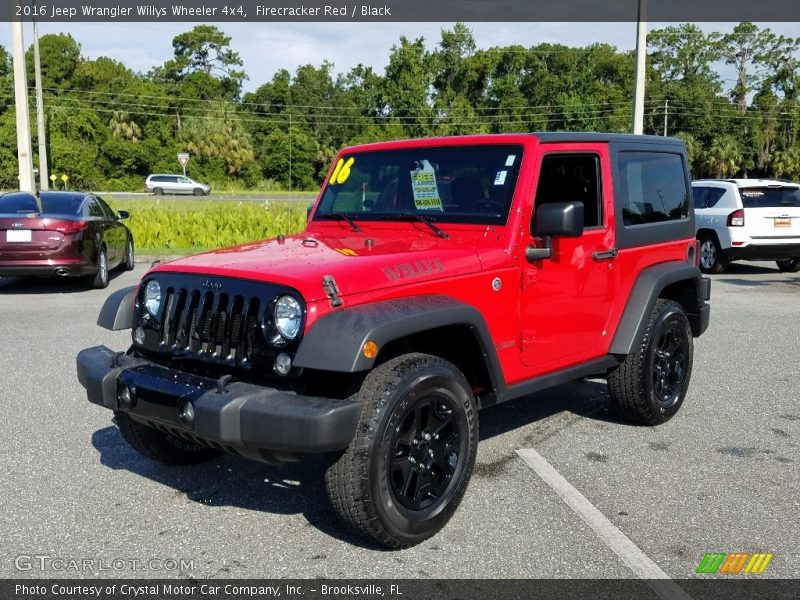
[(198, 192), (650, 385), (790, 265), (712, 260), (407, 468), (161, 447)]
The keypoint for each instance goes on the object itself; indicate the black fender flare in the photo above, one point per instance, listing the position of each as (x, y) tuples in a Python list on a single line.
[(648, 287), (117, 312), (335, 341)]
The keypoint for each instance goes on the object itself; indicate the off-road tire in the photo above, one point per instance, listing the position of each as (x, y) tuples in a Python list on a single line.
[(715, 261), (633, 385), (790, 265), (362, 483), (99, 281), (161, 447), (130, 258)]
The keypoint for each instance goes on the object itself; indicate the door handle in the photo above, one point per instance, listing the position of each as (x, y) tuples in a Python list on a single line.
[(605, 255)]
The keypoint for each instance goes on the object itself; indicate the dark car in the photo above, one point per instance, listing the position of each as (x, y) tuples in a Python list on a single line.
[(64, 234)]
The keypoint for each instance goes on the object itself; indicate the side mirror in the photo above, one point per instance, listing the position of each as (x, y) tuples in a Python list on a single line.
[(563, 219), (123, 214)]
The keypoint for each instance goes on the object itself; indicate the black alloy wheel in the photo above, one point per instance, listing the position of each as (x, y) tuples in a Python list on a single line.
[(425, 453)]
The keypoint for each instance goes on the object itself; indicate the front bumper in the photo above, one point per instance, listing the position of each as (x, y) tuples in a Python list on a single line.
[(250, 420)]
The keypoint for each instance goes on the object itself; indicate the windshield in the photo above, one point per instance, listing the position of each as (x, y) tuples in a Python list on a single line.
[(453, 184), (770, 197)]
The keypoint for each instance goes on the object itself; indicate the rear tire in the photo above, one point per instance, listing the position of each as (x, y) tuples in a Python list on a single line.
[(130, 259), (650, 385), (790, 265), (161, 447), (99, 280), (405, 472), (158, 192), (712, 260)]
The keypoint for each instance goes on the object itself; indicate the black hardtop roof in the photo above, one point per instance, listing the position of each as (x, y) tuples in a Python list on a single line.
[(621, 138)]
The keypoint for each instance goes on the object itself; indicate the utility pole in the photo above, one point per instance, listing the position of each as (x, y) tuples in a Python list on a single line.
[(24, 152), (666, 116), (44, 181), (641, 69)]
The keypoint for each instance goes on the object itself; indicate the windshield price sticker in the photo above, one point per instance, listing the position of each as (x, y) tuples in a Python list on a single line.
[(424, 188)]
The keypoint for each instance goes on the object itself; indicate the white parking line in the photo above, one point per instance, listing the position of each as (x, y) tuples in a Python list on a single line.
[(628, 552)]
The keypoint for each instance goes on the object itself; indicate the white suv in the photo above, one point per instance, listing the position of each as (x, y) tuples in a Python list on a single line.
[(747, 219)]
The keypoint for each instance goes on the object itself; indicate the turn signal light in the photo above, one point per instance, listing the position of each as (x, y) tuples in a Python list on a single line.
[(370, 350), (736, 218)]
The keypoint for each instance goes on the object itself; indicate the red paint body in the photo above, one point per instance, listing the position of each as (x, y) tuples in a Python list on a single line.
[(546, 316)]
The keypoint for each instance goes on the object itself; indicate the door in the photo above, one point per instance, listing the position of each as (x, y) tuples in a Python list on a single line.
[(116, 234), (566, 299), (100, 227)]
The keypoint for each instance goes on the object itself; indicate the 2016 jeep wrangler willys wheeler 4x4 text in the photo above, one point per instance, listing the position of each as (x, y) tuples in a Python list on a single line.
[(435, 277)]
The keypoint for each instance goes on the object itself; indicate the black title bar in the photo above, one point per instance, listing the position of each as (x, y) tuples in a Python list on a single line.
[(264, 11)]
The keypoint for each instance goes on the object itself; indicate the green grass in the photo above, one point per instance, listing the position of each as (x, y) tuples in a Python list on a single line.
[(176, 226)]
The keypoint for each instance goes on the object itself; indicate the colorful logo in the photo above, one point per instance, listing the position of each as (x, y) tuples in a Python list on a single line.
[(734, 563)]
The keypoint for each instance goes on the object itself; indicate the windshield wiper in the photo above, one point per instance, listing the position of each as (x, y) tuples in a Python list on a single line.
[(345, 217), (416, 217)]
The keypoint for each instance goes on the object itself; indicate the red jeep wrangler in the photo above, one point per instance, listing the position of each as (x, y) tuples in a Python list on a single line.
[(435, 277)]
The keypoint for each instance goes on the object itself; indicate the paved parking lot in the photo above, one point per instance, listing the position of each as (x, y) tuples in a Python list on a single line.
[(722, 476)]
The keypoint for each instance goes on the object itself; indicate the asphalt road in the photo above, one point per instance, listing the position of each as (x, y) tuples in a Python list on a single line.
[(722, 476)]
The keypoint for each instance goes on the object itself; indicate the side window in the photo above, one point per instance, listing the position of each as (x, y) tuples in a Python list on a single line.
[(94, 208), (714, 194), (700, 196), (106, 208), (173, 179), (157, 179), (184, 180), (571, 178), (654, 187)]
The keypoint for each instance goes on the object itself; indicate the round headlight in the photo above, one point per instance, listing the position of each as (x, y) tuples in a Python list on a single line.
[(152, 297), (288, 315)]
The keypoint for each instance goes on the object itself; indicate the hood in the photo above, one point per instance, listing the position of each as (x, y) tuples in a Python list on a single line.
[(301, 261)]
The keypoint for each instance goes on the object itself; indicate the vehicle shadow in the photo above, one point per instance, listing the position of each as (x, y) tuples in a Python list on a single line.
[(49, 285), (736, 274), (295, 488), (298, 488)]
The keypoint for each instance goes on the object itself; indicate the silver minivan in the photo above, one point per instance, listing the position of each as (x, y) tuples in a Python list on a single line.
[(175, 184)]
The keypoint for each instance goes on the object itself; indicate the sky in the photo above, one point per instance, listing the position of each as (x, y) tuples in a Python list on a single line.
[(267, 48)]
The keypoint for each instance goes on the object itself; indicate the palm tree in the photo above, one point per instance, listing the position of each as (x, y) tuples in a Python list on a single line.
[(124, 127), (724, 158)]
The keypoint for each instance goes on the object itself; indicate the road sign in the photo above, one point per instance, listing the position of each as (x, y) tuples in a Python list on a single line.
[(53, 177), (65, 178), (183, 158)]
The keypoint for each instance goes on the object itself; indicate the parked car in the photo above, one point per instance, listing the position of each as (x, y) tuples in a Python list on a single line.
[(747, 219), (62, 234), (175, 184), (377, 334)]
